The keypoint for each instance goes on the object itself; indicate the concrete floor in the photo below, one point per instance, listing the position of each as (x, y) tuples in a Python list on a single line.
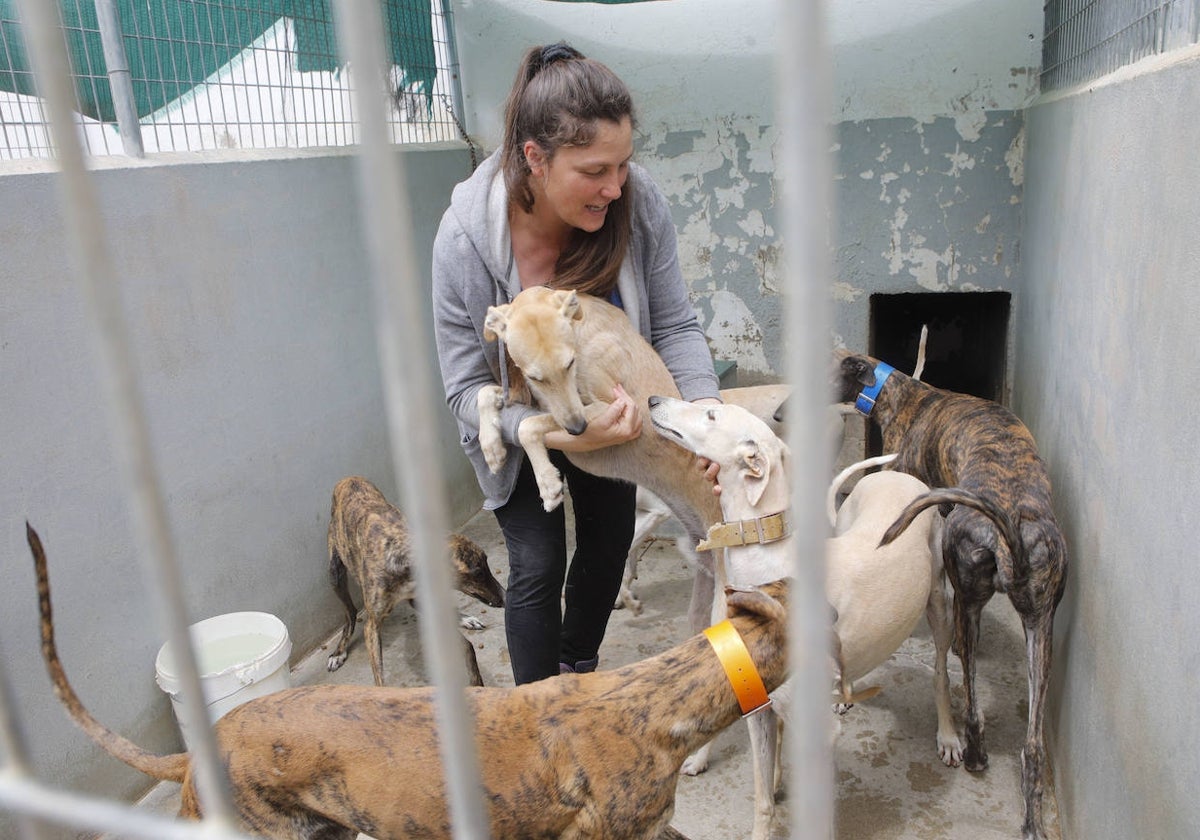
[(890, 784)]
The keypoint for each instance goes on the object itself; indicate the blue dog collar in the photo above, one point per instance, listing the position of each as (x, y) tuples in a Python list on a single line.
[(866, 400)]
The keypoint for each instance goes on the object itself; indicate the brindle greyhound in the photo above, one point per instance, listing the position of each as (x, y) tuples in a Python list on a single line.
[(577, 756), (369, 543), (955, 440)]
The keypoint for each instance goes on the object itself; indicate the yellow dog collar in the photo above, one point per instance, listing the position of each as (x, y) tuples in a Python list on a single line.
[(739, 667)]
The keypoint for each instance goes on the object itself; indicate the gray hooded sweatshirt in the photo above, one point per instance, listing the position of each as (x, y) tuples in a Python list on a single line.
[(473, 269)]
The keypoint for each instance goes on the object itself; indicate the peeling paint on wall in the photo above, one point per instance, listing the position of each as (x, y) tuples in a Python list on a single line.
[(922, 205), (925, 205), (720, 182)]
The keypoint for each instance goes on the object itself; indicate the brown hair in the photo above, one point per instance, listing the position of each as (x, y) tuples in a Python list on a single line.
[(555, 101)]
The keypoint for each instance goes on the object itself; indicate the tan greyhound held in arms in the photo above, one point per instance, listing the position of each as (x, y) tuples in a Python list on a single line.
[(578, 756)]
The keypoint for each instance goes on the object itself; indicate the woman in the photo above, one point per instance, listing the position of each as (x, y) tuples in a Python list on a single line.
[(560, 204)]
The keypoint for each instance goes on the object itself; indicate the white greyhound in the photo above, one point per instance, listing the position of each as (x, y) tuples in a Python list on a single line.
[(879, 593)]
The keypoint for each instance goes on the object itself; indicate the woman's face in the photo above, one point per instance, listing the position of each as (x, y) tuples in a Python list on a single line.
[(579, 182)]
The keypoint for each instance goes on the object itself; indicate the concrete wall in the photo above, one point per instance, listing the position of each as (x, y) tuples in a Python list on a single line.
[(246, 288), (1106, 353), (926, 129)]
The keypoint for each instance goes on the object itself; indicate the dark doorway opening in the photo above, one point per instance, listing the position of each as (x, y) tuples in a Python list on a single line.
[(967, 347)]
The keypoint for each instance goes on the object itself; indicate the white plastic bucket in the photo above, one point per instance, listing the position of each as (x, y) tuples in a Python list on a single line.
[(240, 655)]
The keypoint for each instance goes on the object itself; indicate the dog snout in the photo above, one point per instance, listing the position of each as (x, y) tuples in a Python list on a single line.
[(576, 427)]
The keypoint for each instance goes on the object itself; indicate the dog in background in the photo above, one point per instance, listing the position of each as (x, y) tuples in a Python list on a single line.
[(879, 593), (369, 542), (952, 440), (578, 756)]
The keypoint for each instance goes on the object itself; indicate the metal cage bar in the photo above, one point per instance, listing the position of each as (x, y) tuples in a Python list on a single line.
[(410, 396), (803, 103)]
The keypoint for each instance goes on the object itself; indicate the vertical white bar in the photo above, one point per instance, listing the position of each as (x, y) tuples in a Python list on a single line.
[(402, 327), (120, 80), (803, 109), (127, 422)]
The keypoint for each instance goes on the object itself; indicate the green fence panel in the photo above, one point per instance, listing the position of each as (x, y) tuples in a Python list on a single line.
[(175, 45)]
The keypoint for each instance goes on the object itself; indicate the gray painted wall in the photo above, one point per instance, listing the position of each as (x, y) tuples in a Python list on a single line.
[(245, 284), (1106, 354)]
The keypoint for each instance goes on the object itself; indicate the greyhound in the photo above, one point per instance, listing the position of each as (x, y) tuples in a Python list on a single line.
[(566, 353), (764, 401), (878, 593), (955, 440), (577, 756), (368, 541)]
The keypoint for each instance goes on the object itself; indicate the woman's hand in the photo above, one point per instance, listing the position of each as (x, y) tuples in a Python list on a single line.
[(619, 423)]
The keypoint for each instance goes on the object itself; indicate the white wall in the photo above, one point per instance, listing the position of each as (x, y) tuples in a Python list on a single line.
[(1107, 354)]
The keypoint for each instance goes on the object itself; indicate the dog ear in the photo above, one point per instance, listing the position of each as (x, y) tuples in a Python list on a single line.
[(568, 305), (755, 469), (768, 601), (496, 322), (861, 369)]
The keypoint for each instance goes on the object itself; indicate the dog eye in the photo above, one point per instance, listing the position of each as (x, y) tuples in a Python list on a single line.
[(712, 414)]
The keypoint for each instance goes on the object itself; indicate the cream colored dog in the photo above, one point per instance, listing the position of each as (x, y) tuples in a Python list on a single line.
[(763, 401), (566, 353), (879, 593), (575, 757)]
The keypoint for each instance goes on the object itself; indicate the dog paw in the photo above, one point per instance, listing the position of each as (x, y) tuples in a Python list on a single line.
[(551, 488), (696, 763), (470, 622), (950, 751), (335, 661), (626, 600), (489, 401), (495, 453)]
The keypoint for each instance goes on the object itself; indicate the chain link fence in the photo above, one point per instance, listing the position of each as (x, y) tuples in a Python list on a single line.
[(226, 74), (1086, 39)]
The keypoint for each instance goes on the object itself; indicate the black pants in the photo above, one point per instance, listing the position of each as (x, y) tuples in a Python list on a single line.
[(540, 633)]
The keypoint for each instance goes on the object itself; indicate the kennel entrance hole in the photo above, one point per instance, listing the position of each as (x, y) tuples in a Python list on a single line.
[(967, 347)]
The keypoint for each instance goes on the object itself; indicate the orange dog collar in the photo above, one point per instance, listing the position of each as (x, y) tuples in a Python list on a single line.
[(739, 667)]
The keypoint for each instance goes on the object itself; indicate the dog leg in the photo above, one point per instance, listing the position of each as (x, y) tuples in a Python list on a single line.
[(489, 401), (532, 433), (764, 753), (966, 620), (341, 585), (937, 614), (650, 515), (473, 675), (706, 608), (374, 645), (1038, 641)]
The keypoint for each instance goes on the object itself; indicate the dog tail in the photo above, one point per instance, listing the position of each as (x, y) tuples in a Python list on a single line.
[(171, 768), (835, 486), (1010, 573)]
